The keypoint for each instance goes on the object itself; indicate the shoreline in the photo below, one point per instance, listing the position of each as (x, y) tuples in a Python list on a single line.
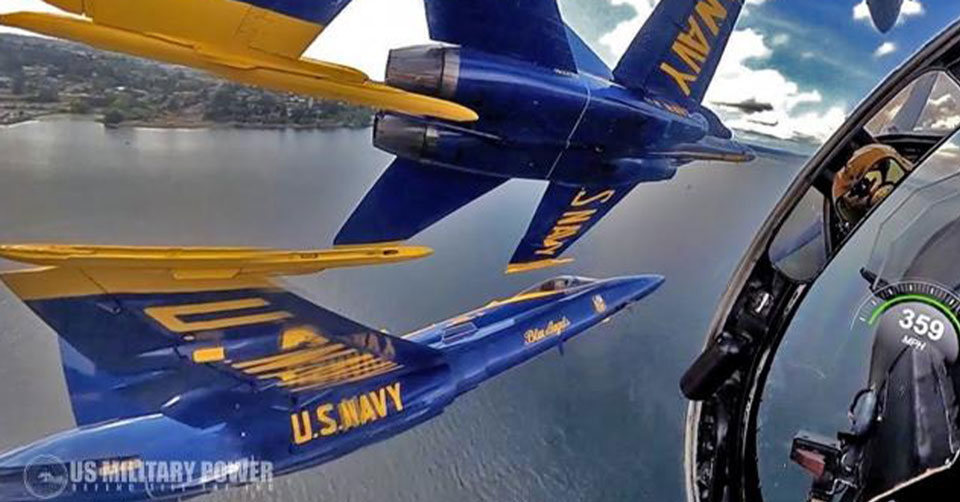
[(174, 124)]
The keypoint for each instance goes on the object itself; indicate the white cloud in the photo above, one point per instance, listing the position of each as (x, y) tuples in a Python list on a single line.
[(861, 12), (362, 35), (18, 5), (7, 6), (911, 8), (884, 49), (620, 37), (946, 123), (780, 39), (767, 85)]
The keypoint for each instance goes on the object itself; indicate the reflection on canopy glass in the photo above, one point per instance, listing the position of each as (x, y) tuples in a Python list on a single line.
[(799, 249), (901, 262), (927, 106)]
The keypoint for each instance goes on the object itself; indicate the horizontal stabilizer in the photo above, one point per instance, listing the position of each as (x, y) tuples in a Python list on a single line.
[(133, 336), (408, 198), (676, 52), (708, 148), (233, 40), (565, 214)]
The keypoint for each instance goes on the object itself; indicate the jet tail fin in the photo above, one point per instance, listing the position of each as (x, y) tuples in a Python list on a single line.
[(676, 53), (565, 214), (884, 13)]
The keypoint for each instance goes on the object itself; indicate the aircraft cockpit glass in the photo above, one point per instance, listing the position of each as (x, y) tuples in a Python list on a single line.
[(868, 177), (831, 370), (930, 105), (799, 250), (928, 208), (558, 284), (881, 157), (882, 315)]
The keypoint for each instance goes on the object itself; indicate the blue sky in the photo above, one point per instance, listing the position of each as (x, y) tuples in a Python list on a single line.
[(811, 61)]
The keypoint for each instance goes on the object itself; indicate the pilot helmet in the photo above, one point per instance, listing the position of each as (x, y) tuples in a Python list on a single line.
[(870, 175)]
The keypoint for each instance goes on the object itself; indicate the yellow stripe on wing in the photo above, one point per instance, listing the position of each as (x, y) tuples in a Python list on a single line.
[(77, 270), (169, 316)]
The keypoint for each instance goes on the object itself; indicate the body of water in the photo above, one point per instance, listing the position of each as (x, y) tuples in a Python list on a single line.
[(603, 422)]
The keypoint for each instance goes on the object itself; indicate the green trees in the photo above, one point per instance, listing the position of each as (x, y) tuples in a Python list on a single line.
[(67, 78), (19, 84), (47, 94), (113, 118)]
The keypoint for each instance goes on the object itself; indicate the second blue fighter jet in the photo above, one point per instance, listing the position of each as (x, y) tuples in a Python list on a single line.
[(549, 109), (187, 369)]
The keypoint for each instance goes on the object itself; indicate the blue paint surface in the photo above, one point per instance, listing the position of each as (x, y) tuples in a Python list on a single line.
[(550, 110), (139, 397)]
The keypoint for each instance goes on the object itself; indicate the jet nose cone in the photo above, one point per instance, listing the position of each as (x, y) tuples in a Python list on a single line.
[(643, 285), (623, 291)]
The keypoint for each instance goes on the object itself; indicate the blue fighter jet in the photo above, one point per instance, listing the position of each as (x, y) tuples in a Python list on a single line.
[(197, 357), (884, 13), (549, 109)]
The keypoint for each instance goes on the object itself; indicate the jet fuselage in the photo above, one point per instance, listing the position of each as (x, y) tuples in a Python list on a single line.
[(579, 128), (207, 436)]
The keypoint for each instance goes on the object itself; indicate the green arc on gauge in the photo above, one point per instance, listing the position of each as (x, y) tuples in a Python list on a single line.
[(883, 307)]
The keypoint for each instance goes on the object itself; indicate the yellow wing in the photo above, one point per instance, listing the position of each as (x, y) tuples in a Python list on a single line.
[(173, 264), (217, 306), (233, 39)]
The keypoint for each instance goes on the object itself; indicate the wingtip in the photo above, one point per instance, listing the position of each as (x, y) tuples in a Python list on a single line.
[(445, 110), (395, 249), (28, 19), (12, 19), (464, 114)]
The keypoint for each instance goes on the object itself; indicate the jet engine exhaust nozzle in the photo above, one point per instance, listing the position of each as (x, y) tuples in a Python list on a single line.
[(433, 70), (413, 139), (401, 136)]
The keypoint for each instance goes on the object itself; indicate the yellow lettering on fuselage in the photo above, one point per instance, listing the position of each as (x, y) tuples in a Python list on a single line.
[(349, 413), (553, 328), (572, 221), (692, 47)]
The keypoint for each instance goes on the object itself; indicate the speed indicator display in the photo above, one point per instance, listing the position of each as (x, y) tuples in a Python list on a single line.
[(918, 315)]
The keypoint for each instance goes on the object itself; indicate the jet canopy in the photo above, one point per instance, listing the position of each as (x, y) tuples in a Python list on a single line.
[(559, 284)]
